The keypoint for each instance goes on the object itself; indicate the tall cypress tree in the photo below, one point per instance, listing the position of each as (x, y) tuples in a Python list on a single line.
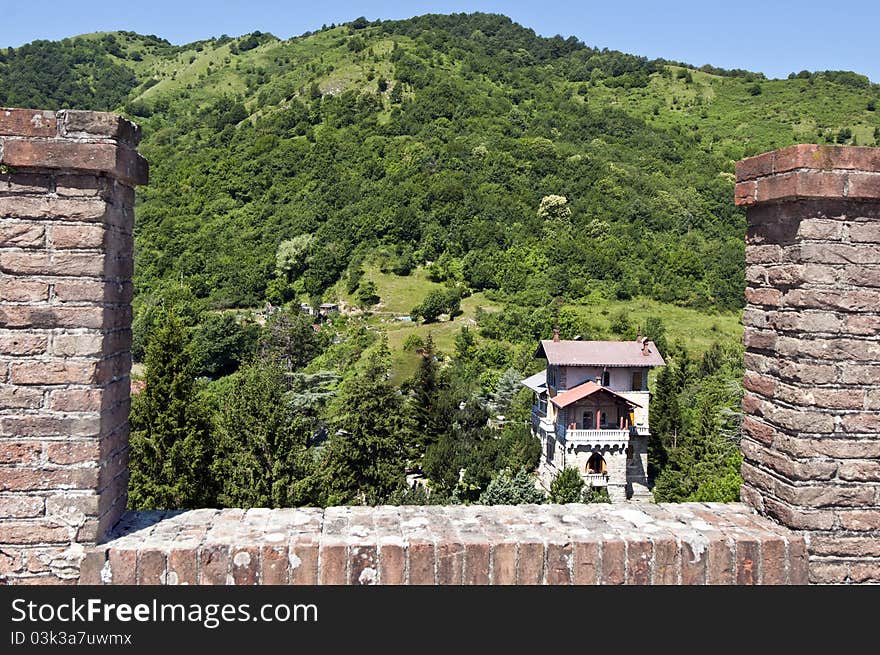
[(430, 402), (171, 446), (665, 420), (365, 459), (261, 458)]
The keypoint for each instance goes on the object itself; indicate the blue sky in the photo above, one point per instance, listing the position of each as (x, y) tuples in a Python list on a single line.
[(774, 37)]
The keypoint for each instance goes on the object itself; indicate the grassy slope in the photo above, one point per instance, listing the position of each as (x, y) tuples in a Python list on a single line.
[(399, 294), (695, 330), (720, 111), (724, 116), (213, 70)]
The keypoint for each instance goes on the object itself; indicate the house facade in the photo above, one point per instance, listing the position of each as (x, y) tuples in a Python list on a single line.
[(590, 412)]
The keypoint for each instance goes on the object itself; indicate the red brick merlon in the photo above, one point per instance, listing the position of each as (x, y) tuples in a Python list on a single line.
[(86, 141), (809, 171), (645, 544)]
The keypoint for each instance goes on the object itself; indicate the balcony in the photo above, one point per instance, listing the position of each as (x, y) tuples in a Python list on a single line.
[(593, 437), (596, 479)]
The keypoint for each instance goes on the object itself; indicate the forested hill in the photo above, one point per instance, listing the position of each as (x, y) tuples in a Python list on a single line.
[(441, 141)]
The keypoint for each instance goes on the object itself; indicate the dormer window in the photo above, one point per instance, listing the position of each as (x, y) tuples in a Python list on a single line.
[(606, 379)]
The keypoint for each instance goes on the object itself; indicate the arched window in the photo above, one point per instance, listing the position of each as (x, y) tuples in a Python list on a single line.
[(596, 464)]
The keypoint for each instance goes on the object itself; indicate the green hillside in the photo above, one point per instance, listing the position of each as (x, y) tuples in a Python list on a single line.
[(438, 137)]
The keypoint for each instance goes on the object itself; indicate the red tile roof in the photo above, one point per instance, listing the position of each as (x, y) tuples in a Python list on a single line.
[(588, 388), (600, 353)]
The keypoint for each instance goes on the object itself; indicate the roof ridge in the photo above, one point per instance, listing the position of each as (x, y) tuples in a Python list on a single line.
[(643, 354)]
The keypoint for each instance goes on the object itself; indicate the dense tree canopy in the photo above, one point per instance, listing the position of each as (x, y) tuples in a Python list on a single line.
[(365, 459), (533, 167)]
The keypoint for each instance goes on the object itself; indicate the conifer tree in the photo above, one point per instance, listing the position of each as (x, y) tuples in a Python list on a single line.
[(171, 447), (430, 403), (261, 458), (518, 447), (566, 487), (703, 462), (290, 339), (512, 488), (365, 459), (442, 462), (507, 388), (463, 460), (665, 419)]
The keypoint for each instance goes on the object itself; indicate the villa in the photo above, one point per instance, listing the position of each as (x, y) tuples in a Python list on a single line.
[(591, 412)]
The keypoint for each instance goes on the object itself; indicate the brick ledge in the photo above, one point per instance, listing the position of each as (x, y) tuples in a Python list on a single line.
[(689, 543), (89, 141)]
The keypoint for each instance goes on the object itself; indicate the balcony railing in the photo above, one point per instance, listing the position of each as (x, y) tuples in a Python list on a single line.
[(609, 437), (596, 479)]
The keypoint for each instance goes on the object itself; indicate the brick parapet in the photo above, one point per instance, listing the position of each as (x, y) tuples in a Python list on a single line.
[(690, 543), (66, 218), (811, 432)]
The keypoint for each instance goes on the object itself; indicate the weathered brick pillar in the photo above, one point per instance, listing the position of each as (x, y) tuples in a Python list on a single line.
[(66, 213), (811, 434)]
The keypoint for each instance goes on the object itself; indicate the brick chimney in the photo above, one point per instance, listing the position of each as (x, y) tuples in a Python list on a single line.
[(811, 430)]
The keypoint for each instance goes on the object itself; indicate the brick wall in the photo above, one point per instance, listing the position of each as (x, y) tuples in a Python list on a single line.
[(811, 440), (66, 216)]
